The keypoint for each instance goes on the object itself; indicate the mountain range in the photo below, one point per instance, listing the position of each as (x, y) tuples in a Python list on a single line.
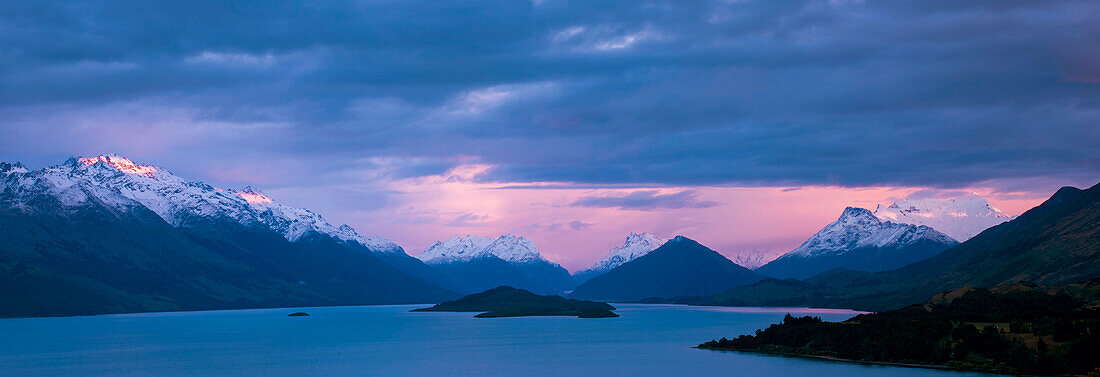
[(1056, 243), (959, 218), (475, 264), (104, 235), (635, 246), (859, 240), (680, 267)]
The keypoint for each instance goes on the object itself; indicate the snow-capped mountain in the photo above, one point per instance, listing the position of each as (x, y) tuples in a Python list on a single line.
[(755, 258), (105, 235), (293, 223), (860, 241), (123, 184), (456, 249), (6, 168), (478, 263), (858, 227), (636, 245), (516, 250), (960, 218), (680, 267), (509, 247)]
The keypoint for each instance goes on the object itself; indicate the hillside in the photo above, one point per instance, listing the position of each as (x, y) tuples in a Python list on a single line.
[(680, 267)]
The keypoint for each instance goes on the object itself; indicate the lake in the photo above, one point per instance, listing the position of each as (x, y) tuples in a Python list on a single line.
[(647, 340)]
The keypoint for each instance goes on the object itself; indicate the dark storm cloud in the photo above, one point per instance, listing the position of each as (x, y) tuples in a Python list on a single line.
[(647, 200), (936, 93)]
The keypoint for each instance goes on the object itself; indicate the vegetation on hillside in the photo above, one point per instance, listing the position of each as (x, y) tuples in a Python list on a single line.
[(1016, 328)]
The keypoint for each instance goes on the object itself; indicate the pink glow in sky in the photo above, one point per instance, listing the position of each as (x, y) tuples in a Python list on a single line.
[(731, 220), (335, 114)]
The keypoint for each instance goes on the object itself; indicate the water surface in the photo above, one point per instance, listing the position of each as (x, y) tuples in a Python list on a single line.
[(647, 340)]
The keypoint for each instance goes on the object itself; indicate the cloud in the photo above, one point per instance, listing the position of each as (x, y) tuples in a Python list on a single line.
[(647, 200), (468, 219), (754, 93), (572, 225), (937, 194)]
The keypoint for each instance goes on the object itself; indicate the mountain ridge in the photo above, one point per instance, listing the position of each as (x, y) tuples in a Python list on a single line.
[(635, 246), (477, 263), (959, 218), (106, 235), (859, 240), (680, 267), (1055, 243)]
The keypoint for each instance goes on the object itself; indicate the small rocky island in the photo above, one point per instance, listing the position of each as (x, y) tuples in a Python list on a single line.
[(505, 301)]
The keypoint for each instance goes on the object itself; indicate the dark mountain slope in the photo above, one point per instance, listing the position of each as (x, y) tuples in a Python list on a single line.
[(416, 268), (97, 259), (489, 272), (680, 267)]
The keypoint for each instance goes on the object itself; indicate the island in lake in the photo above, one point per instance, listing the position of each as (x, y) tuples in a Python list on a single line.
[(505, 301)]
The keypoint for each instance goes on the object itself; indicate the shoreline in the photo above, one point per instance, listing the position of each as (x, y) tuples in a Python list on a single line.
[(851, 361)]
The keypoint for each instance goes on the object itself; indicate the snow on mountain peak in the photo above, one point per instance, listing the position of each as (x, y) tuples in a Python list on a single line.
[(754, 259), (294, 223), (514, 249), (636, 245), (457, 248), (16, 168), (254, 196), (858, 216), (509, 247), (960, 218), (119, 182), (857, 228), (122, 164)]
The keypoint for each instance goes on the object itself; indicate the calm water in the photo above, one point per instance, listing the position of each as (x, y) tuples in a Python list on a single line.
[(648, 340)]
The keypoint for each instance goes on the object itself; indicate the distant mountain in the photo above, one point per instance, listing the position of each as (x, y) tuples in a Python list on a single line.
[(680, 267), (476, 264), (1055, 243), (104, 234), (457, 249), (859, 241), (753, 259), (636, 245), (960, 218)]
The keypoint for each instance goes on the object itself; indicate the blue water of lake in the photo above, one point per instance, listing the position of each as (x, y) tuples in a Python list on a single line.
[(647, 340)]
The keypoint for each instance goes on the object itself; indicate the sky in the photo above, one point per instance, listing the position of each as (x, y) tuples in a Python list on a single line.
[(746, 125)]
